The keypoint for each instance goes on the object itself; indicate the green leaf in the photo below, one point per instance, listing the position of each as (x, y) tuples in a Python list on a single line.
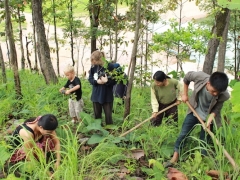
[(94, 126), (157, 164), (95, 139)]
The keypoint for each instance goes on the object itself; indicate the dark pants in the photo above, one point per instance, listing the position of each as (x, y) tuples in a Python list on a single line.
[(107, 107), (188, 125), (170, 112)]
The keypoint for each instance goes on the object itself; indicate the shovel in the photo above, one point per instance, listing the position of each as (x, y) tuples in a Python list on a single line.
[(231, 160), (163, 110)]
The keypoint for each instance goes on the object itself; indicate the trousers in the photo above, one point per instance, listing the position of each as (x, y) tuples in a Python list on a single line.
[(188, 125), (107, 107)]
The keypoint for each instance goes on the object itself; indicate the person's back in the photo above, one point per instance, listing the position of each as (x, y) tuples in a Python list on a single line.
[(36, 135), (120, 89)]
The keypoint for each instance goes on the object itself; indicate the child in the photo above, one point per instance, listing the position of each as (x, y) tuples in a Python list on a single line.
[(74, 88), (207, 99), (164, 92), (102, 92), (33, 134)]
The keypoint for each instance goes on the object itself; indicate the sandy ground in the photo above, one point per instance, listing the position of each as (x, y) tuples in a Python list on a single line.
[(190, 11)]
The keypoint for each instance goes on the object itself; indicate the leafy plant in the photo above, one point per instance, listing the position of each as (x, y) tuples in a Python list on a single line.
[(157, 171)]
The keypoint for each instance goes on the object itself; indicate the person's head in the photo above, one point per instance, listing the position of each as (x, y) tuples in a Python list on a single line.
[(218, 82), (97, 58), (47, 123), (69, 72), (160, 78)]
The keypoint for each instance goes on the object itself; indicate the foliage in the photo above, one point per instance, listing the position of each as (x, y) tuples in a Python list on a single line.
[(105, 153), (235, 116), (233, 4), (4, 153), (191, 39), (157, 172), (196, 167)]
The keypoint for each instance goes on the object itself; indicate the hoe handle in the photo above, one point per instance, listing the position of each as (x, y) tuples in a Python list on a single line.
[(231, 160), (135, 127)]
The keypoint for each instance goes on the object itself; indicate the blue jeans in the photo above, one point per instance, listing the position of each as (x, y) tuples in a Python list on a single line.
[(188, 125)]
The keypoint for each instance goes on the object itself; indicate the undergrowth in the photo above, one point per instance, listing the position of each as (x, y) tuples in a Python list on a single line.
[(104, 154)]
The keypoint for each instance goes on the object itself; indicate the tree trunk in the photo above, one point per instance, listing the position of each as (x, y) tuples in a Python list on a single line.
[(13, 53), (36, 54), (70, 17), (133, 59), (94, 10), (116, 33), (236, 49), (42, 44), (217, 31), (8, 51), (28, 58), (179, 60), (2, 65), (20, 38), (110, 45), (223, 46), (146, 57), (237, 66), (55, 36)]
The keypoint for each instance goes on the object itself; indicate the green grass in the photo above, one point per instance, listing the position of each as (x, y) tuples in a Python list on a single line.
[(106, 153)]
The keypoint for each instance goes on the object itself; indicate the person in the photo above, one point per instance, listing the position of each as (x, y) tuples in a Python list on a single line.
[(102, 87), (73, 88), (208, 96), (33, 136), (165, 91), (120, 88)]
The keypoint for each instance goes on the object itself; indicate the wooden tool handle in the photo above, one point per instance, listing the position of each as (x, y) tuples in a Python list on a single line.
[(231, 160)]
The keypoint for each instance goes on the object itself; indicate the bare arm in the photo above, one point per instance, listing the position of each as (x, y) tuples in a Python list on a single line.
[(185, 93), (72, 89), (57, 148), (210, 119)]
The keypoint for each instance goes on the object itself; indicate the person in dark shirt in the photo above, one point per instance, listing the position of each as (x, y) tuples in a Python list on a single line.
[(73, 88), (102, 87), (120, 88), (36, 135)]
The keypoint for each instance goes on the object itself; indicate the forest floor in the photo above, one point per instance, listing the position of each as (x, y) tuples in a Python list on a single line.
[(190, 11)]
